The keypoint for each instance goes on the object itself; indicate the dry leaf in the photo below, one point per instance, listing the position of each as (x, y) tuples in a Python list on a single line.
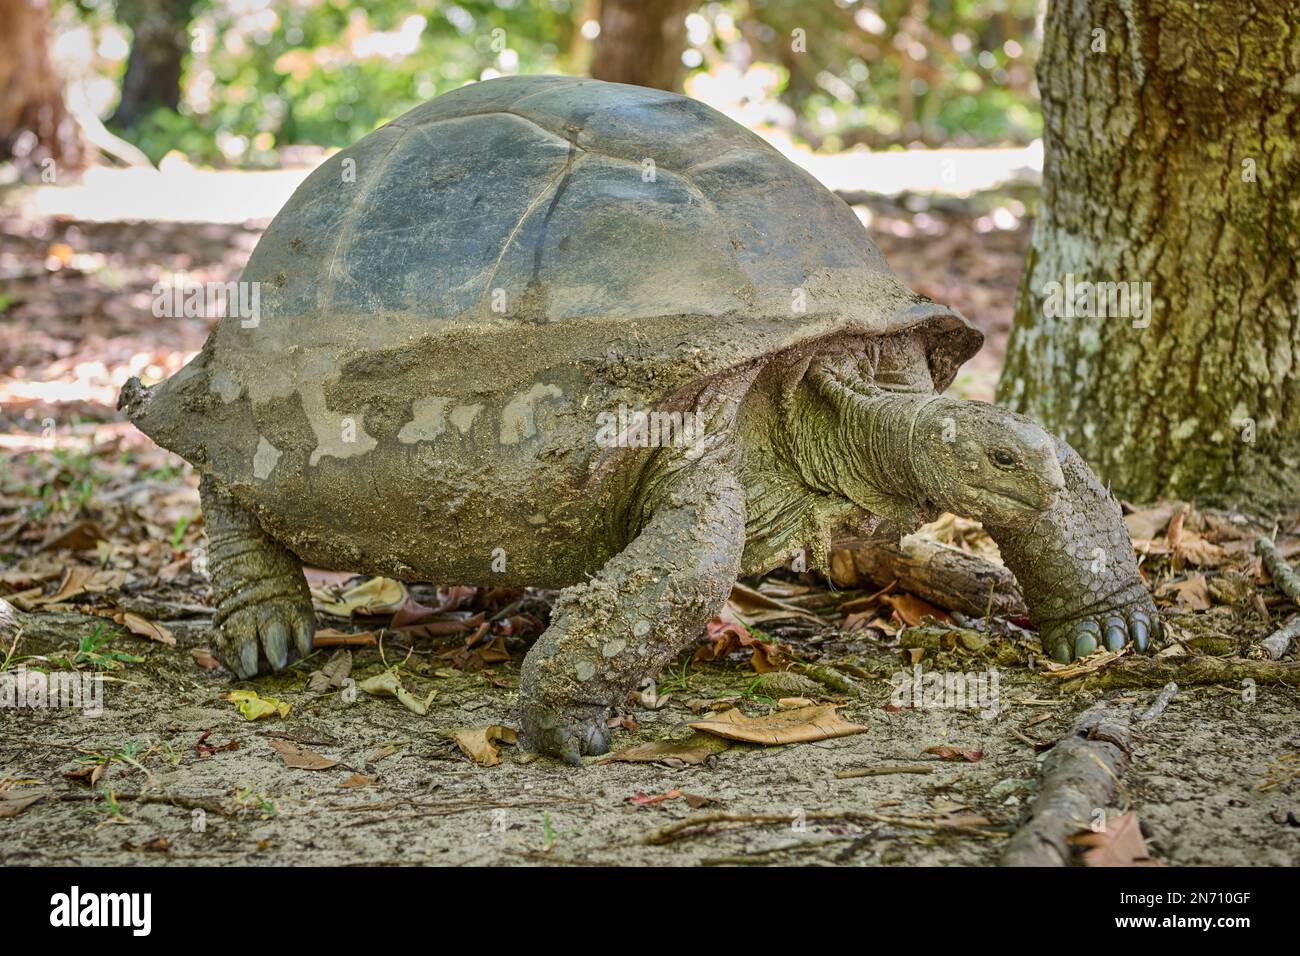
[(478, 743), (803, 725), (318, 578), (78, 579), (751, 608), (150, 629), (945, 752), (1145, 523), (675, 753), (332, 674), (358, 780), (300, 758), (1120, 844), (911, 610), (728, 636), (1192, 594), (15, 801), (254, 707), (387, 685), (203, 657), (373, 597), (80, 536), (1194, 549)]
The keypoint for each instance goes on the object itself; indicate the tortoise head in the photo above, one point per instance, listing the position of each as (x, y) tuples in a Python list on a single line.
[(984, 462)]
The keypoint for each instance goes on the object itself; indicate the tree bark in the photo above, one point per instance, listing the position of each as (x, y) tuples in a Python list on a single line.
[(34, 124), (159, 42), (1172, 141), (641, 42)]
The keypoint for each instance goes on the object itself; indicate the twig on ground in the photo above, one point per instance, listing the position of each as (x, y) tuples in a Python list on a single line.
[(1077, 778), (208, 804), (1279, 642), (694, 826), (1159, 704), (1284, 576), (883, 771)]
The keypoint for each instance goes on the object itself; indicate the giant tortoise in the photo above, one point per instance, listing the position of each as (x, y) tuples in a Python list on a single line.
[(559, 332)]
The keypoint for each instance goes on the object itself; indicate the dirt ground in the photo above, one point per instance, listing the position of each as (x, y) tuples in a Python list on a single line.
[(100, 548), (1195, 780)]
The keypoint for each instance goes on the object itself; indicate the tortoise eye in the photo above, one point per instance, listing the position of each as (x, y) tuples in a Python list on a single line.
[(1003, 458)]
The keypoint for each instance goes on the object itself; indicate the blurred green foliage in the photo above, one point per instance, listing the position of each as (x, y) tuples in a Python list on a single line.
[(264, 74)]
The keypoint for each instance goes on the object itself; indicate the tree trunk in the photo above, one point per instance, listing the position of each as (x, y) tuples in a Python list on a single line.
[(641, 42), (159, 42), (1172, 139), (34, 124)]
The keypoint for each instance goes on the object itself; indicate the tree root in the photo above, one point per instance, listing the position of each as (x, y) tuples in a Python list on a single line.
[(1077, 779)]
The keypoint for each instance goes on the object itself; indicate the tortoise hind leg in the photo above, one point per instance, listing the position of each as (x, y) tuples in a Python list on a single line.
[(258, 586), (630, 620)]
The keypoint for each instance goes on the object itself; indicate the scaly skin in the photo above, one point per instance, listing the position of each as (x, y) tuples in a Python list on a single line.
[(1059, 531), (1076, 568), (647, 603), (258, 586)]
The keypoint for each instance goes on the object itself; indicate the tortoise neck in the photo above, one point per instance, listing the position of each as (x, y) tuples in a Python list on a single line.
[(862, 441)]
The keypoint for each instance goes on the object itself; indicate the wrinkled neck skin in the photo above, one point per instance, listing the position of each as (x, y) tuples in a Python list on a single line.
[(860, 442)]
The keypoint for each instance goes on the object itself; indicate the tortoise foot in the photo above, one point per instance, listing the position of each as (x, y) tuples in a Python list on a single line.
[(1136, 623), (258, 638), (565, 733)]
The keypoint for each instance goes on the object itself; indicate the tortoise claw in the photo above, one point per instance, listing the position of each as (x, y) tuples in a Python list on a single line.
[(265, 629), (1069, 640), (245, 665), (275, 639), (1116, 633)]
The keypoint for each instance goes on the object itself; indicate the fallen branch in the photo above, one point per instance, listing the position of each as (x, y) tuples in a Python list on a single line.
[(1187, 671), (830, 678), (942, 575), (694, 826), (1077, 778)]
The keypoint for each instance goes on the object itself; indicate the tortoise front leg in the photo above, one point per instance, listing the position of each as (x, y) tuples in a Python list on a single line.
[(1076, 568), (631, 619), (258, 586)]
